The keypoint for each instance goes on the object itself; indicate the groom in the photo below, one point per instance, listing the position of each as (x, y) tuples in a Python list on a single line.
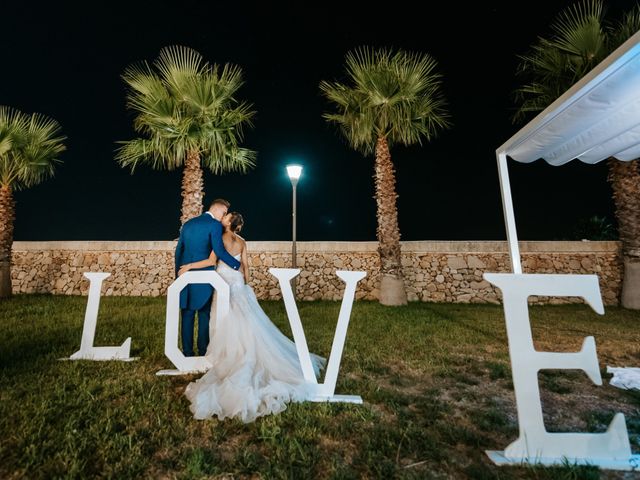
[(198, 237)]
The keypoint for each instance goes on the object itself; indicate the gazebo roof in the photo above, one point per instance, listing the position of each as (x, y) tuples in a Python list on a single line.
[(597, 118)]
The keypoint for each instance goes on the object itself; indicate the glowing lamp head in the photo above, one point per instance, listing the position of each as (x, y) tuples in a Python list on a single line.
[(294, 172)]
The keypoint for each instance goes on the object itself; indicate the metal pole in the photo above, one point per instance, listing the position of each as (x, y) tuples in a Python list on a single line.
[(293, 248), (509, 217)]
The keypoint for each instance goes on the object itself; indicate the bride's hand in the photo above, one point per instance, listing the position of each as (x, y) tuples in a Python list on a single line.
[(183, 269)]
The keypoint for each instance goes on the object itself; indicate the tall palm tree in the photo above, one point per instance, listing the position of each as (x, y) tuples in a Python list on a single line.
[(392, 97), (29, 149), (581, 37), (187, 115)]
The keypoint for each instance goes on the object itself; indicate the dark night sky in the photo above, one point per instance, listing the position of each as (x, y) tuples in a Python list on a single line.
[(65, 61)]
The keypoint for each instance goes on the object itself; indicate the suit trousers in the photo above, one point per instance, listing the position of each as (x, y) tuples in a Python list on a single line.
[(188, 320)]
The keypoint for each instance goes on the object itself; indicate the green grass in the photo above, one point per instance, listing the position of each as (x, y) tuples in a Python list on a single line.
[(435, 379)]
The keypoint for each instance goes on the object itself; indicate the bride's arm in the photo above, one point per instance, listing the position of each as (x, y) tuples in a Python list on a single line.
[(244, 262), (212, 260)]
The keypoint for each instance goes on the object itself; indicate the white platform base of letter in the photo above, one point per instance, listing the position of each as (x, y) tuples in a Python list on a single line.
[(173, 371), (630, 464), (120, 353), (357, 399), (87, 350)]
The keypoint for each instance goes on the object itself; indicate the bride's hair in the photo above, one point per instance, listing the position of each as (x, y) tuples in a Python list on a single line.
[(236, 222)]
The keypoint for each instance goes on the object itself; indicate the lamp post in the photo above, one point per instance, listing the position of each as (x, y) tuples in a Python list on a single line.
[(294, 172)]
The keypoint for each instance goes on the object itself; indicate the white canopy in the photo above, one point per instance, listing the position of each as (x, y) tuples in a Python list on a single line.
[(597, 118)]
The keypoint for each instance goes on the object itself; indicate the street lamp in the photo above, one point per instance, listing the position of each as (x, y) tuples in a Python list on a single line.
[(294, 172)]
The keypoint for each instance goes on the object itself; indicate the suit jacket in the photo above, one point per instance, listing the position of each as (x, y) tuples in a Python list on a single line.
[(198, 237)]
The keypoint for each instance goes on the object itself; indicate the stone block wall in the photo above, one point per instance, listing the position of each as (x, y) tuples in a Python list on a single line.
[(434, 271)]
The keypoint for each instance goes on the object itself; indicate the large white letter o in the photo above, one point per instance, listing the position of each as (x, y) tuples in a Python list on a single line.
[(171, 350)]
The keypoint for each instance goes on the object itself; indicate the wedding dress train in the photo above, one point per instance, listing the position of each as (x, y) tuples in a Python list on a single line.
[(255, 369)]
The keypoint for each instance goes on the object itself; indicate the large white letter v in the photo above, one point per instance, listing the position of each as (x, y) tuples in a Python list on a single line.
[(324, 392)]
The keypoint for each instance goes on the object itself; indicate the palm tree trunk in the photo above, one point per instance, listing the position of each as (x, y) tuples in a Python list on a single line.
[(192, 187), (625, 183), (7, 215), (392, 290)]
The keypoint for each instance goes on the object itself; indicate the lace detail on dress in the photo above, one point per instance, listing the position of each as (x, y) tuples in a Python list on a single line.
[(231, 276)]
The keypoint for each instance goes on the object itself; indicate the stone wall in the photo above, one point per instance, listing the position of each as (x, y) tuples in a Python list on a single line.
[(434, 271)]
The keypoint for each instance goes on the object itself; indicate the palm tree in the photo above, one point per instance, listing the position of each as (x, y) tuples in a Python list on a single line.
[(392, 97), (187, 115), (29, 149), (581, 38)]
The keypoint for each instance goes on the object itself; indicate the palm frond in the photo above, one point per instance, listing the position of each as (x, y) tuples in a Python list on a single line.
[(231, 159), (625, 28), (185, 105), (142, 80), (579, 29), (30, 146), (396, 95), (140, 150), (580, 38), (177, 65)]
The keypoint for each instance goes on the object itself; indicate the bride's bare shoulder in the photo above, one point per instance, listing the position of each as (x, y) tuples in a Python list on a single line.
[(242, 241)]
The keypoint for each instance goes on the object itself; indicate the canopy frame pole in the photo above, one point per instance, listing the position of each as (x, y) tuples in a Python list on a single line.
[(507, 208)]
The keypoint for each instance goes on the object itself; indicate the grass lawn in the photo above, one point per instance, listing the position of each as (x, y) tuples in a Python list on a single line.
[(435, 379)]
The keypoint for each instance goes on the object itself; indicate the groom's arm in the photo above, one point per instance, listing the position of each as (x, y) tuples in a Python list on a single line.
[(178, 254), (218, 247)]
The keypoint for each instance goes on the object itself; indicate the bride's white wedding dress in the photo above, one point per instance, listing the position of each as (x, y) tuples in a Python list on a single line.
[(255, 369)]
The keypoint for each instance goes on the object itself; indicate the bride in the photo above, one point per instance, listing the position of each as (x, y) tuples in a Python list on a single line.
[(255, 369)]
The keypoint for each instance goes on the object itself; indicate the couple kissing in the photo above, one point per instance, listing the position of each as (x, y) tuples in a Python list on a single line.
[(255, 367)]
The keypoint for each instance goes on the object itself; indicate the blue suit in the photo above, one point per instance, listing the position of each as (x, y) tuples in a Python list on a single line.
[(198, 237)]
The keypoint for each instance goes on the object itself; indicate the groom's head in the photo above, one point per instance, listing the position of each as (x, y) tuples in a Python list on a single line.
[(219, 208)]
